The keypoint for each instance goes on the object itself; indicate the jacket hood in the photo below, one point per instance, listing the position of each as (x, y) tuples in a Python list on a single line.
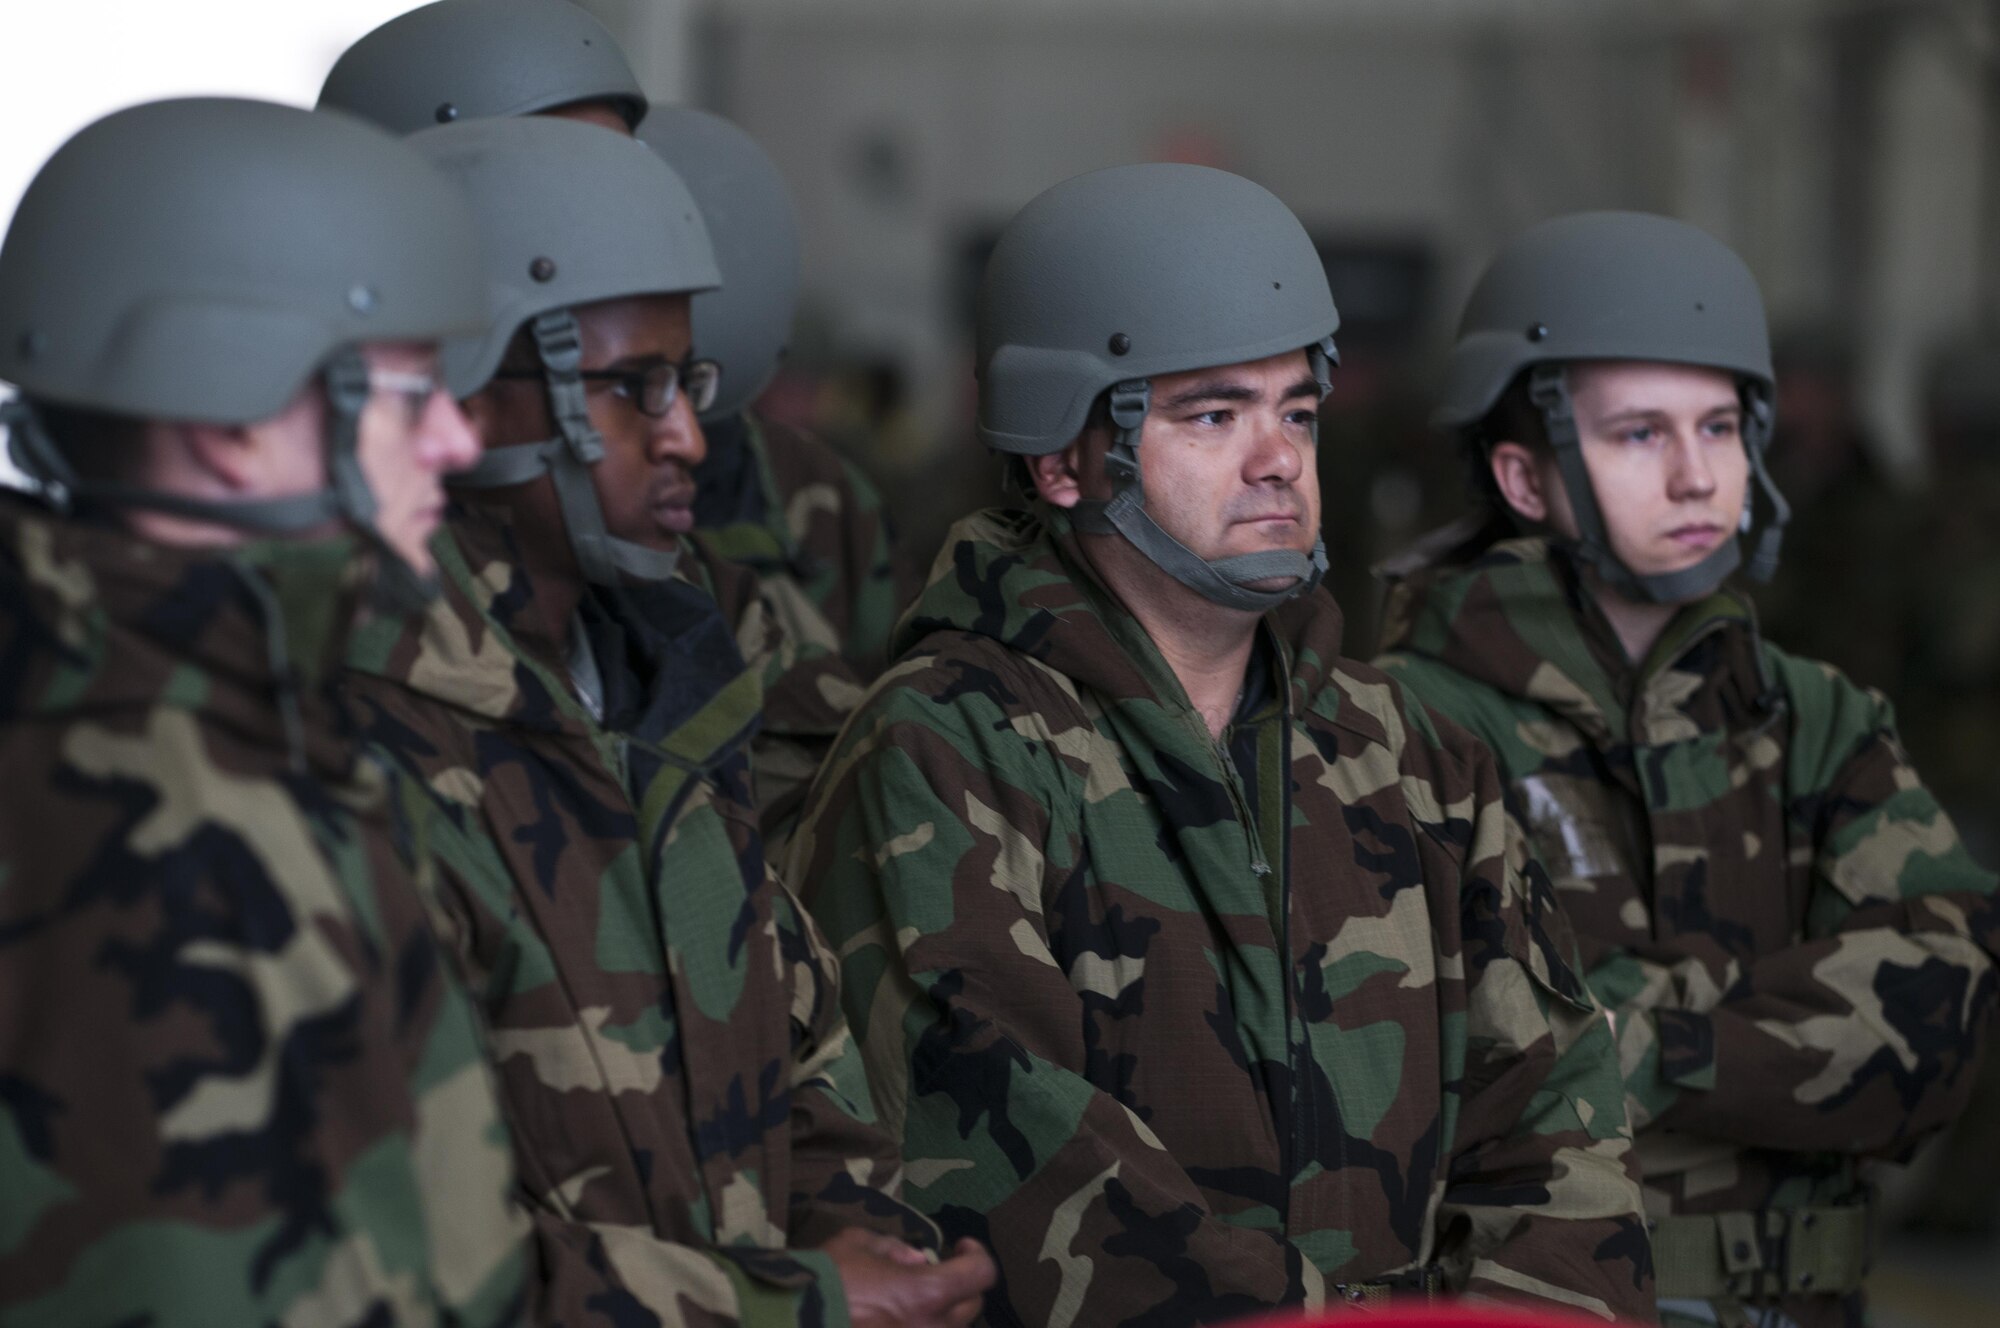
[(1516, 617), (495, 647), (488, 644), (99, 620), (1020, 578)]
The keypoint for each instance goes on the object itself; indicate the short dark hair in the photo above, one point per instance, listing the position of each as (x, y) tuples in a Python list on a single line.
[(1019, 470), (100, 446), (1515, 418)]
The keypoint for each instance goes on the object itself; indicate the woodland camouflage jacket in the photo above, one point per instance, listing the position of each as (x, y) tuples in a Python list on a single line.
[(1797, 946), (809, 689), (1179, 1045), (236, 1083), (787, 506), (689, 1109)]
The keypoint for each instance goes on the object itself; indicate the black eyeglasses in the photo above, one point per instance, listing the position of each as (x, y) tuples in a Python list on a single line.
[(651, 388)]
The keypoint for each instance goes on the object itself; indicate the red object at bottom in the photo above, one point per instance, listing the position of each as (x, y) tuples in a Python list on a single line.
[(1435, 1316)]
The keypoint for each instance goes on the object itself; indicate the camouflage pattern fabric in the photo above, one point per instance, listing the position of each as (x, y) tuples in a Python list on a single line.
[(1797, 948), (1181, 1046), (236, 1083), (689, 1108), (809, 688), (810, 525)]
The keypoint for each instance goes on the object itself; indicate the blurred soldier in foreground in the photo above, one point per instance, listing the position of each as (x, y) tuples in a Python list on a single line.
[(1201, 973), (236, 1085), (1794, 944), (695, 1134), (459, 60)]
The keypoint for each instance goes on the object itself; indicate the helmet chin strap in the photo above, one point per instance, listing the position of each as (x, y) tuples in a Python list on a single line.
[(1548, 389), (397, 588), (567, 459), (1225, 581)]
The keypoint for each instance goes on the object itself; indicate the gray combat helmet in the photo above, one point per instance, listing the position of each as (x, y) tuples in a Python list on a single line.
[(1620, 286), (745, 325), (481, 59), (565, 215), (200, 260), (1110, 278)]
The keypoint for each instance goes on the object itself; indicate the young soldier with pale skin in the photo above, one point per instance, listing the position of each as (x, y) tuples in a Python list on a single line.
[(1795, 946), (1664, 447)]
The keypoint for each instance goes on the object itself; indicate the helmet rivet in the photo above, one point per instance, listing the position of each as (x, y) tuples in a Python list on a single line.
[(1700, 308), (1277, 285), (1539, 332), (446, 113), (33, 343), (543, 269), (360, 299), (1120, 343)]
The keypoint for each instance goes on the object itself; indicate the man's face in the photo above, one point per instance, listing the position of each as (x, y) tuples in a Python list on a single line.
[(1664, 447), (407, 442), (645, 483), (1226, 459)]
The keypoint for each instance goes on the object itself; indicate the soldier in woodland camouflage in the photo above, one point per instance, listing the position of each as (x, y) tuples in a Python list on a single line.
[(236, 1083), (1796, 947), (696, 1141), (1199, 971), (792, 539)]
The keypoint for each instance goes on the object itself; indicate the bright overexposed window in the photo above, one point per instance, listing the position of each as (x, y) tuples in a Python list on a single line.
[(64, 63)]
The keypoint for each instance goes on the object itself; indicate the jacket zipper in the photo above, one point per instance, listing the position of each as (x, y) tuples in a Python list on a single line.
[(1289, 1143)]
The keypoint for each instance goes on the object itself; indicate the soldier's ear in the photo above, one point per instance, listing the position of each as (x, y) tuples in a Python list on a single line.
[(282, 454), (1519, 479), (1056, 475)]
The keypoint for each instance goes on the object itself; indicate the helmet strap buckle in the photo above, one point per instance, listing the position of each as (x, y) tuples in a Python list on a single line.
[(559, 343)]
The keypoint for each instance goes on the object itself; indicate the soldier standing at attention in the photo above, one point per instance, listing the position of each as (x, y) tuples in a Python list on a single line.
[(779, 501), (694, 1133), (1795, 946), (1199, 971), (236, 1084)]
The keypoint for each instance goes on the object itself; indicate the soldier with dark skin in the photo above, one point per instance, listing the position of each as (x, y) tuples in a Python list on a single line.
[(1199, 971), (696, 1140), (236, 1083), (798, 601), (1797, 949), (777, 500)]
